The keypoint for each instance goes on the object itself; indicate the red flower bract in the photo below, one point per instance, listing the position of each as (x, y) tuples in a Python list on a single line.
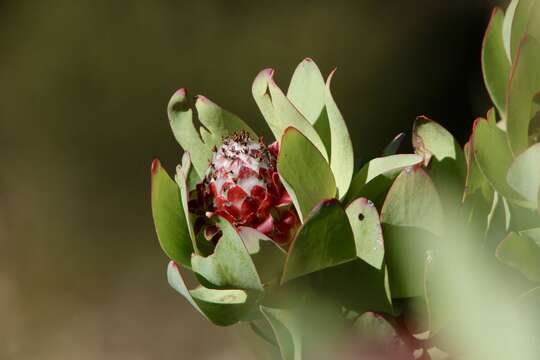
[(243, 186)]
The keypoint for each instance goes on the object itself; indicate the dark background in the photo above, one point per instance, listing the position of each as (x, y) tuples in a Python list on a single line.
[(83, 91)]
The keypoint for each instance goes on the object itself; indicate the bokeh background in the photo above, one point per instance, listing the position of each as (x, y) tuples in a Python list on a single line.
[(83, 91)]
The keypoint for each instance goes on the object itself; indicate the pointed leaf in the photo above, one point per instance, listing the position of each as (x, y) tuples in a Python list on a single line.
[(475, 180), (341, 157), (525, 21), (216, 121), (521, 253), (286, 332), (507, 28), (431, 139), (169, 217), (495, 63), (307, 90), (524, 174), (325, 239), (221, 307), (366, 227), (376, 176), (230, 266), (181, 120), (411, 217), (524, 84), (279, 112), (392, 148), (304, 172), (493, 156)]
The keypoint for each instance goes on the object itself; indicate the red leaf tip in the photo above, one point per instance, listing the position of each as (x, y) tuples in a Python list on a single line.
[(155, 166)]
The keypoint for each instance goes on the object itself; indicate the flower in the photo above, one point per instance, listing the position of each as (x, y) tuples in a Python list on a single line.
[(243, 186)]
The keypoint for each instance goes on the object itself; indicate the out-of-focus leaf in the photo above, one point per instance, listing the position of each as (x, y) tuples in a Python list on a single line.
[(495, 63), (436, 292), (267, 256), (376, 176), (341, 157), (307, 90), (525, 21), (280, 113), (394, 145), (221, 307), (325, 239), (493, 156), (507, 28), (524, 174), (230, 266), (169, 217), (412, 217), (524, 84), (216, 121), (306, 175), (533, 234), (366, 227), (286, 332), (357, 285), (374, 327), (431, 139), (475, 180), (521, 253)]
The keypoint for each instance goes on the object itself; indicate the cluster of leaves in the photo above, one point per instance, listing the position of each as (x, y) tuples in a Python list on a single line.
[(374, 240)]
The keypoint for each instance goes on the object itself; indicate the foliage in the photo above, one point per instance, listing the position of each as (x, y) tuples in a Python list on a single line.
[(375, 248)]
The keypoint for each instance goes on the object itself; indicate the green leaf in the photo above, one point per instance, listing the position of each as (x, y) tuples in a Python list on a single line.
[(475, 180), (394, 145), (366, 227), (373, 328), (524, 84), (230, 266), (525, 21), (221, 307), (268, 257), (169, 217), (432, 140), (412, 218), (341, 157), (507, 28), (437, 293), (533, 234), (182, 174), (324, 240), (376, 176), (521, 253), (356, 285), (286, 332), (279, 112), (495, 63), (181, 120), (413, 201), (307, 90), (216, 121), (304, 172), (493, 156), (524, 174)]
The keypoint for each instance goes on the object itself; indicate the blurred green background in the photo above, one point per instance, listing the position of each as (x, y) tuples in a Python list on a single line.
[(83, 91)]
